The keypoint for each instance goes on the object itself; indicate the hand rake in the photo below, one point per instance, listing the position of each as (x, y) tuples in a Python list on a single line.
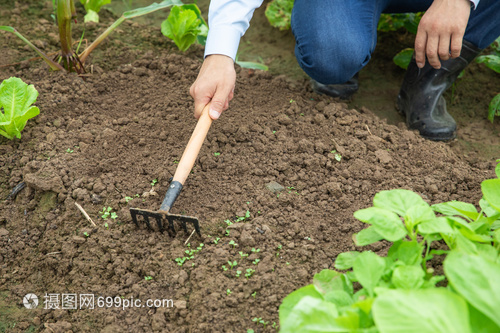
[(165, 220)]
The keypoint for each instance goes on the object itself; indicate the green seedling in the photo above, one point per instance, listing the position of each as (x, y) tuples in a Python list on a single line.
[(185, 25), (243, 255), (338, 157), (227, 232), (216, 240), (148, 278), (243, 218), (16, 98), (216, 154), (228, 222), (233, 243), (224, 268), (86, 234), (254, 250), (107, 213), (228, 292), (106, 225), (238, 273), (189, 254), (69, 150), (232, 264), (154, 182), (274, 132), (249, 273), (254, 294), (278, 251), (256, 261), (260, 321), (67, 58), (128, 199)]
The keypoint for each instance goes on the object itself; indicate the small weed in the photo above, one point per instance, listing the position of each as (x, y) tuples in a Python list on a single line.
[(233, 243), (189, 254), (86, 234), (232, 264), (278, 251), (301, 114), (291, 101), (228, 222), (148, 278), (228, 292), (216, 240), (176, 162), (243, 218), (274, 132), (338, 157), (227, 232), (128, 199), (243, 255), (260, 321), (106, 225), (256, 261), (238, 273), (249, 273), (216, 154), (154, 182), (254, 250), (254, 294), (106, 213), (69, 150)]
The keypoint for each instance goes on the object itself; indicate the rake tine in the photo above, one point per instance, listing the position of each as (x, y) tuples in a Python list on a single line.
[(171, 227), (158, 222), (134, 217), (146, 219)]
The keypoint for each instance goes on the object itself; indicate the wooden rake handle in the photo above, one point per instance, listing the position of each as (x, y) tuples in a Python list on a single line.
[(187, 160)]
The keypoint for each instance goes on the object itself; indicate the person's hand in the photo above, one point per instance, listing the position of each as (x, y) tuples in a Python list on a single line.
[(441, 31), (215, 83)]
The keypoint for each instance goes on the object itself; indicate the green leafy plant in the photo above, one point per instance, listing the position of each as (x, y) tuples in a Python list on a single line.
[(216, 154), (86, 234), (154, 182), (399, 290), (492, 61), (185, 25), (238, 273), (260, 321), (249, 272), (256, 261), (92, 7), (337, 156), (232, 264), (189, 254), (148, 278), (228, 292), (403, 58), (279, 13), (66, 12), (243, 255), (16, 99), (233, 243), (254, 250)]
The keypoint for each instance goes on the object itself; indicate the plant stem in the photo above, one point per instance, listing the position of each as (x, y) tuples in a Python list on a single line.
[(64, 16), (99, 39)]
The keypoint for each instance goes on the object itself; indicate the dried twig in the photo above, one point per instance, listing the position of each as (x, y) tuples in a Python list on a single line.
[(52, 253), (368, 129), (187, 240), (85, 214)]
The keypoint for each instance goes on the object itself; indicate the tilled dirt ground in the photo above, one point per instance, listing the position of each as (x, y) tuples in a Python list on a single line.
[(105, 138)]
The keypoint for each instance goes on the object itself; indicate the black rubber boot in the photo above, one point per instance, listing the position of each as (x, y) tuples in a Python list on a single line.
[(343, 90), (420, 98)]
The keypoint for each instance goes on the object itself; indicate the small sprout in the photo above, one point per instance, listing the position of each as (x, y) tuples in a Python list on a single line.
[(114, 216), (228, 292), (86, 234), (128, 199), (224, 268), (254, 250), (228, 222), (106, 225), (287, 263), (243, 255), (302, 114), (249, 273), (154, 181), (216, 154), (238, 273), (274, 132), (338, 157), (176, 162), (233, 243), (254, 294), (216, 240), (180, 261), (278, 251), (232, 264), (291, 101), (137, 195), (256, 261), (192, 265), (105, 213), (227, 232), (274, 325), (148, 278), (69, 150)]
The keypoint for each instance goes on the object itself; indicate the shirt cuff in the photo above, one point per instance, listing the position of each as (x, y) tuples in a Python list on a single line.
[(223, 40), (474, 3)]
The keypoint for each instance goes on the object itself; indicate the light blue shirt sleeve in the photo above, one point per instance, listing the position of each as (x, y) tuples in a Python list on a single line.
[(475, 3), (228, 20)]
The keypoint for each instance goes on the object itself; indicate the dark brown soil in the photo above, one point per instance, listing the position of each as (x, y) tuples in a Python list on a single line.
[(107, 137)]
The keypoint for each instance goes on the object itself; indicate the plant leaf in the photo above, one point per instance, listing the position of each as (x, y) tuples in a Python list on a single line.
[(293, 298), (476, 279), (366, 236), (328, 280), (279, 13), (494, 109), (368, 268), (16, 98), (344, 260), (491, 192), (491, 61), (403, 58), (397, 201), (437, 226), (182, 26), (433, 310), (408, 277), (479, 323), (459, 208), (386, 223)]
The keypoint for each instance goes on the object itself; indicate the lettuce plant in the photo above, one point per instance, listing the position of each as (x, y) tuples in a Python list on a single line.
[(185, 25), (492, 61), (279, 13), (16, 98), (67, 58), (399, 292), (92, 7)]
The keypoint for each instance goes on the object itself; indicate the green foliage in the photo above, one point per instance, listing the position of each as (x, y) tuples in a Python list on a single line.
[(279, 13), (492, 61), (16, 98), (92, 7), (183, 25), (494, 108), (403, 58), (393, 22), (398, 292)]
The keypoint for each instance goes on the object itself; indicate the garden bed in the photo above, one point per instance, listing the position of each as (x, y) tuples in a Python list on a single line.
[(105, 138)]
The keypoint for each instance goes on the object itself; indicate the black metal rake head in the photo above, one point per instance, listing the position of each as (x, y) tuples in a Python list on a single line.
[(164, 221)]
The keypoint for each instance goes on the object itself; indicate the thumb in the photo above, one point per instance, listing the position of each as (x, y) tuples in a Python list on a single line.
[(219, 103)]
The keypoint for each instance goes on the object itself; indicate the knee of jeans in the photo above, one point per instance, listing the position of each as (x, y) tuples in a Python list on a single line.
[(332, 65)]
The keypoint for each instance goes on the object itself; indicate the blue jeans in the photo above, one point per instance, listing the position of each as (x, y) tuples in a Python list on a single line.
[(336, 38)]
